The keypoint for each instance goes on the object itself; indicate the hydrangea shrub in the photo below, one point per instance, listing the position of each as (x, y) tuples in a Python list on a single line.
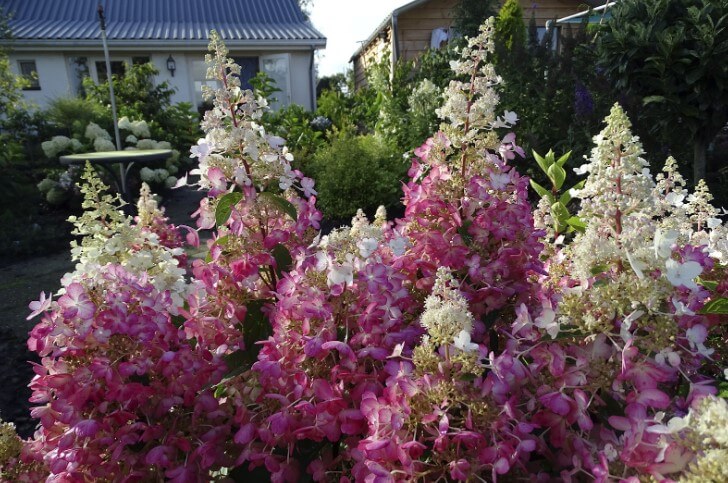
[(465, 341)]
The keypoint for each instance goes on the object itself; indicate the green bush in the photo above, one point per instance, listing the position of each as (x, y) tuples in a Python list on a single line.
[(357, 172), (293, 123), (138, 97), (71, 115), (509, 28)]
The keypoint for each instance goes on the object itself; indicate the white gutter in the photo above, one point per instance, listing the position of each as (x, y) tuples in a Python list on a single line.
[(585, 12)]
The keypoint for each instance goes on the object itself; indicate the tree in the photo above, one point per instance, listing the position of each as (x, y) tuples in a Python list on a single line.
[(509, 27), (469, 14), (671, 54), (11, 85)]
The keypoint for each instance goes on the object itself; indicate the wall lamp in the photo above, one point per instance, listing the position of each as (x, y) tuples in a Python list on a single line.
[(171, 65)]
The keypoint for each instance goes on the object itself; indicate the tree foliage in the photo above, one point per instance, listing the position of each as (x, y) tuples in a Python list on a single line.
[(469, 14), (509, 28), (671, 54), (10, 84)]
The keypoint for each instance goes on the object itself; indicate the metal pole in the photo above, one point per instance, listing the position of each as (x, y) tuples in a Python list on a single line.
[(102, 22)]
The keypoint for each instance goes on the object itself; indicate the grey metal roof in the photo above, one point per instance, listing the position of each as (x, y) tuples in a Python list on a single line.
[(167, 20)]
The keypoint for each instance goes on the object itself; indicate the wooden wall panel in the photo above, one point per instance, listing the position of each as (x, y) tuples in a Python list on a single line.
[(416, 25)]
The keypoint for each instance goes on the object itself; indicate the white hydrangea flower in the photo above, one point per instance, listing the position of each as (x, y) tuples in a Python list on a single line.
[(94, 131), (663, 242), (683, 274), (341, 273), (462, 342), (446, 312), (367, 246), (56, 145), (101, 144)]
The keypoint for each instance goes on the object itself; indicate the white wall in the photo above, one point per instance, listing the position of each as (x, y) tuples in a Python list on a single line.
[(52, 76), (54, 73), (181, 80)]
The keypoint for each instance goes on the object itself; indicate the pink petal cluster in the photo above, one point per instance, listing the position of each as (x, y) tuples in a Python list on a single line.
[(120, 389)]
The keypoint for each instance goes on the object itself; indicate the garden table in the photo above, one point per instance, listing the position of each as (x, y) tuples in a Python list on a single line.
[(125, 160)]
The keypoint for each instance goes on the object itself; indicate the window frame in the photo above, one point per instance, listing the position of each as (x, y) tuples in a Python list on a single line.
[(34, 80)]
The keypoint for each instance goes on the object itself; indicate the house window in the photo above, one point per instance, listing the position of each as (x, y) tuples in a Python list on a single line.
[(141, 59), (277, 66), (79, 67), (199, 79), (548, 35), (249, 67), (30, 73), (117, 68)]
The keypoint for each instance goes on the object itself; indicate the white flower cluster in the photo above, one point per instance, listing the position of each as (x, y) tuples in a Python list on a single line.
[(705, 430), (59, 144), (152, 144), (619, 177), (469, 107), (346, 249), (446, 316), (236, 149), (637, 219), (425, 98), (149, 175), (101, 144), (110, 237), (140, 129), (710, 421), (94, 131)]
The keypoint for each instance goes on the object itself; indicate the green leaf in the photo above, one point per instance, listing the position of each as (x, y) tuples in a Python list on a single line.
[(578, 185), (565, 198), (542, 192), (560, 213), (653, 99), (282, 203), (256, 327), (463, 232), (597, 269), (236, 362), (716, 306), (709, 284), (542, 162), (557, 174), (723, 389), (225, 207), (563, 159), (576, 223), (283, 259), (178, 320)]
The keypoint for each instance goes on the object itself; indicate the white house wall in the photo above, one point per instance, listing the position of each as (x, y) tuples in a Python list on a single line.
[(54, 72), (52, 76)]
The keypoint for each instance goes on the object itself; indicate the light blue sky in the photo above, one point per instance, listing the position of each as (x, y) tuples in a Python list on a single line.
[(344, 23)]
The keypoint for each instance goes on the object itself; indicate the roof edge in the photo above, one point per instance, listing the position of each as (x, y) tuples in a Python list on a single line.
[(395, 13), (65, 45)]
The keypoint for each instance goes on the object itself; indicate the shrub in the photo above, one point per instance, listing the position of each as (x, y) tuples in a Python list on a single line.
[(295, 124), (357, 172), (139, 97), (466, 341), (71, 115)]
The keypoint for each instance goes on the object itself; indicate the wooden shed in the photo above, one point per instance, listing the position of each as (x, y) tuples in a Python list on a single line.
[(422, 24)]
